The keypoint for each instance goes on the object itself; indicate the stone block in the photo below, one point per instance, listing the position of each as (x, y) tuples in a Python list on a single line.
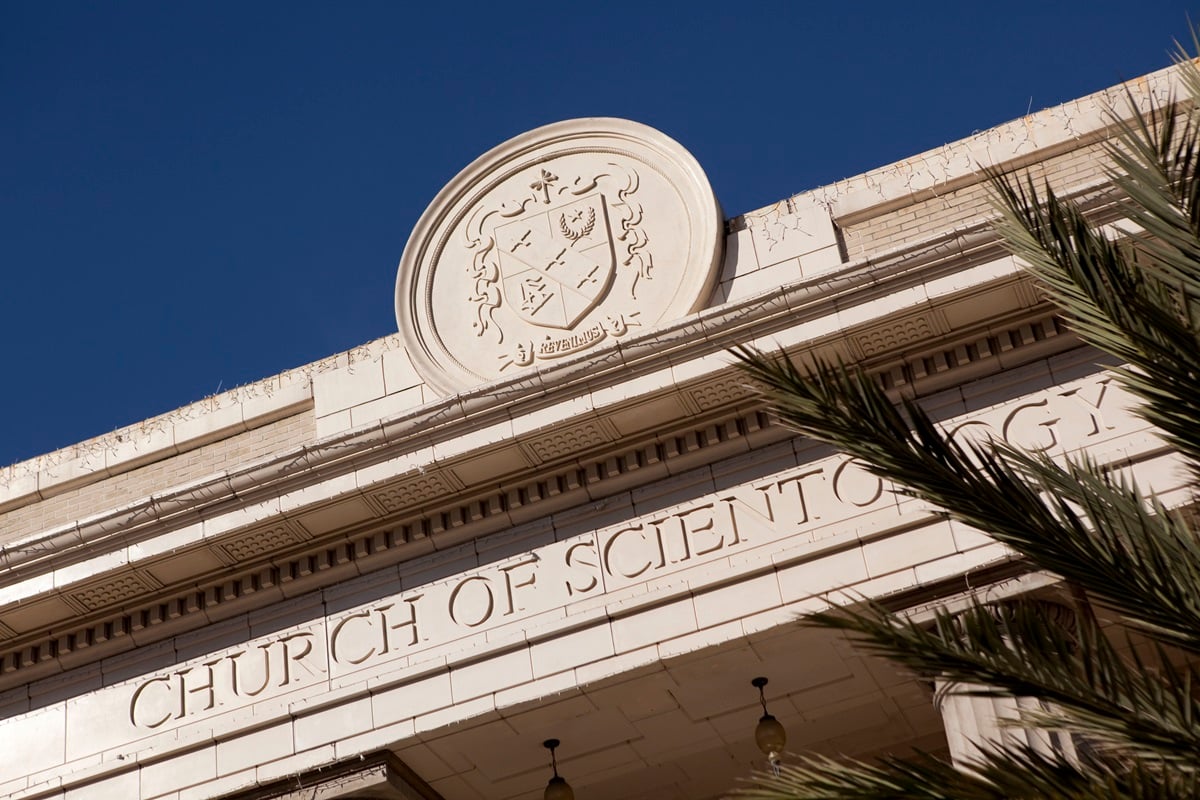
[(436, 720), (398, 371), (790, 228), (824, 574), (821, 262), (490, 675), (347, 386), (736, 600), (537, 690), (222, 786), (392, 405), (33, 742), (409, 700), (571, 650), (179, 771), (275, 398), (75, 468), (334, 423), (767, 279), (296, 764), (18, 485), (739, 255), (345, 718), (654, 625), (154, 439), (907, 549), (379, 738), (619, 664), (122, 786)]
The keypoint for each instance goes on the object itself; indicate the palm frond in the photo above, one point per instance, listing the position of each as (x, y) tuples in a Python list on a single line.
[(1135, 294), (1118, 706), (1137, 298), (1011, 774), (1073, 520)]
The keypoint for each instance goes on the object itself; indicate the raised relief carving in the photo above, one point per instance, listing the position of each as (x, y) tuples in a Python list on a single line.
[(411, 492), (553, 271), (553, 244), (721, 392), (261, 542), (113, 592), (900, 334), (566, 442)]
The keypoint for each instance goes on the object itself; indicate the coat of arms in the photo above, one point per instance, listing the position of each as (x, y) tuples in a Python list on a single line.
[(555, 266)]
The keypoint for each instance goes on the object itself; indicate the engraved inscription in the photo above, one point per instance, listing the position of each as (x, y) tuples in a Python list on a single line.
[(806, 507), (241, 675)]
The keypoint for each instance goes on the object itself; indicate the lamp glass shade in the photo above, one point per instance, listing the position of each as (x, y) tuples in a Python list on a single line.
[(770, 736), (559, 789)]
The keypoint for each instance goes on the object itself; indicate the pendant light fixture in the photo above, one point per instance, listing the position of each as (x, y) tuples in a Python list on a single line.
[(769, 734), (557, 788)]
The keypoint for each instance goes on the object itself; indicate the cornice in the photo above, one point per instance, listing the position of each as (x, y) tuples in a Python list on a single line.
[(274, 559)]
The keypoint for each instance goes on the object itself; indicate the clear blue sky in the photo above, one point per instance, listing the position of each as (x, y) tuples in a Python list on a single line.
[(198, 195)]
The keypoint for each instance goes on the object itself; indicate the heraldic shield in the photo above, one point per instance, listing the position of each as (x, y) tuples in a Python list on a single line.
[(555, 266)]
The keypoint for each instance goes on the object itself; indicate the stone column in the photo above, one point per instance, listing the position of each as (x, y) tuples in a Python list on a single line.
[(976, 723)]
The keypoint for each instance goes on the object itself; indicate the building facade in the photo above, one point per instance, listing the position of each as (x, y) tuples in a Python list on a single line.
[(550, 507)]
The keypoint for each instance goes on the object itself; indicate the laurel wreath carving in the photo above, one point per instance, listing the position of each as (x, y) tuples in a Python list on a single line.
[(574, 235)]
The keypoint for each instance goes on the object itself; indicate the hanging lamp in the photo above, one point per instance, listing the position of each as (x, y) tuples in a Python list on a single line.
[(769, 734), (557, 788)]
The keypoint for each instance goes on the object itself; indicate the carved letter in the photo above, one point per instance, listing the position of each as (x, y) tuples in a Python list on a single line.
[(971, 432), (858, 481), (206, 688), (235, 665), (509, 585), (571, 560), (335, 638), (736, 504), (801, 505), (488, 606), (411, 622), (607, 555), (297, 657), (665, 556), (1093, 409), (137, 696), (698, 526), (1012, 426)]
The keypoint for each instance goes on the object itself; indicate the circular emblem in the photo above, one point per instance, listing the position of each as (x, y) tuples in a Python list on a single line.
[(561, 240)]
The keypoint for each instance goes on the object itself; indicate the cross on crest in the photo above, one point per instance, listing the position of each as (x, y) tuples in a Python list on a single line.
[(556, 265)]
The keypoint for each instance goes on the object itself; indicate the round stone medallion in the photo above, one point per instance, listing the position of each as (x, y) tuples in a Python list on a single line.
[(557, 242)]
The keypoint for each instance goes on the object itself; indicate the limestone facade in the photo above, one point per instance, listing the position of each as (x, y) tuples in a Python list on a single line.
[(375, 577)]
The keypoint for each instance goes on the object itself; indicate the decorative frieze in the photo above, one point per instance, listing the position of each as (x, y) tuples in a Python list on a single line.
[(723, 391), (261, 542), (415, 491), (115, 592), (896, 335), (568, 441)]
